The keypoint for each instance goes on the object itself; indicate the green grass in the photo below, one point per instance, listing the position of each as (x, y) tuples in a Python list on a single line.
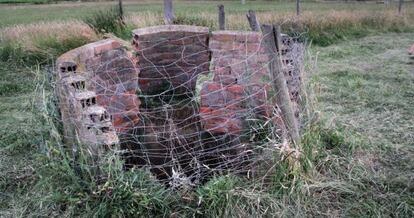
[(373, 81), (25, 1), (366, 86), (321, 23), (10, 15), (18, 137), (358, 149), (109, 21), (358, 155), (47, 48)]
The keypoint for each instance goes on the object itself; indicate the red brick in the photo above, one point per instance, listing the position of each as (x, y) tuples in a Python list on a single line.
[(239, 46), (223, 36), (143, 81), (205, 110), (249, 37), (213, 87), (106, 46), (238, 89)]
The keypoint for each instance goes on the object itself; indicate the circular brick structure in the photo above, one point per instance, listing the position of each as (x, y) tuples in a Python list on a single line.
[(147, 102)]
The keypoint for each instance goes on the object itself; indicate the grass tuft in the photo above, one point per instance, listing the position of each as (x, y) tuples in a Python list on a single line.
[(36, 43), (108, 21)]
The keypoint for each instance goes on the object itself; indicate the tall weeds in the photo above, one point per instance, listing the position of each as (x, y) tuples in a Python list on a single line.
[(323, 28), (34, 43), (107, 21)]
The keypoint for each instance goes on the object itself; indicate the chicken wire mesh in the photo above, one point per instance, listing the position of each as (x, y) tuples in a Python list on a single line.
[(183, 103)]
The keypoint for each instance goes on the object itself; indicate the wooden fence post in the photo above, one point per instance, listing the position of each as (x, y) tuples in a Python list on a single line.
[(121, 11), (400, 2), (254, 24), (297, 7), (168, 12), (221, 17), (272, 40)]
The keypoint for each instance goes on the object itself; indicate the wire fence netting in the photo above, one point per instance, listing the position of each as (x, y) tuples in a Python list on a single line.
[(183, 105)]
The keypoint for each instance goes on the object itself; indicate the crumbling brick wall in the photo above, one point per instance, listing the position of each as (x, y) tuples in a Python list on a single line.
[(84, 121), (108, 80), (292, 59), (241, 82), (171, 57), (113, 76), (149, 96)]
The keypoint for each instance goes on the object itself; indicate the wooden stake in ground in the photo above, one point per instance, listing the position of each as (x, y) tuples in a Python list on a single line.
[(168, 12), (221, 17), (121, 11), (254, 24), (272, 40), (297, 7), (400, 2)]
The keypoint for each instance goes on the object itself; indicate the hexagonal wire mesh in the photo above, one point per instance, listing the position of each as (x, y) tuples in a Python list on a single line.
[(186, 105)]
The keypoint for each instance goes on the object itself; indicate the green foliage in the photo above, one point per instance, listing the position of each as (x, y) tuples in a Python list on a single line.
[(108, 21), (13, 52), (52, 47), (192, 19), (44, 49), (325, 36), (215, 196), (84, 190)]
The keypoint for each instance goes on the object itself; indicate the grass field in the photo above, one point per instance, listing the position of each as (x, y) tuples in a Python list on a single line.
[(364, 139), (24, 14)]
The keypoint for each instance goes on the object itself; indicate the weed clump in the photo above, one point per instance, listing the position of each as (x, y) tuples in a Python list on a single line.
[(108, 21), (322, 28), (36, 43), (196, 20)]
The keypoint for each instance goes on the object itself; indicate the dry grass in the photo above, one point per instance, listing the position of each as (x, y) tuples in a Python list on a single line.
[(313, 19), (310, 19), (324, 28), (59, 29), (38, 43), (144, 19)]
